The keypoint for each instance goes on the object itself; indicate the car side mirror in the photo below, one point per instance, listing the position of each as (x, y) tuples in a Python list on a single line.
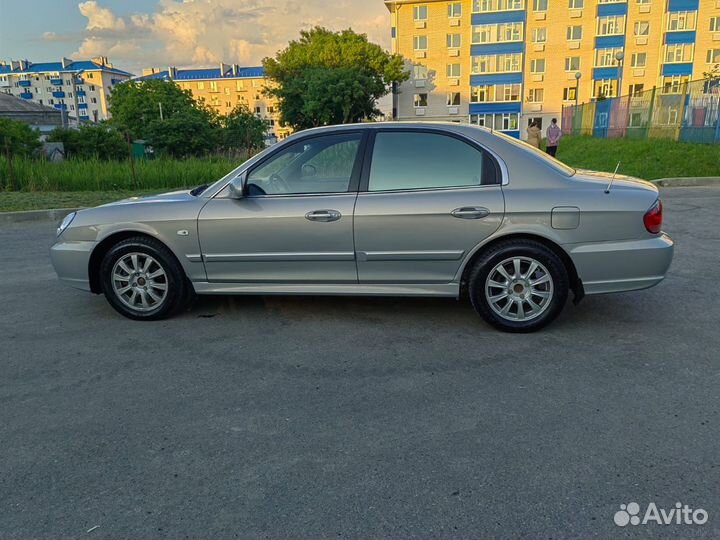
[(308, 171), (237, 187)]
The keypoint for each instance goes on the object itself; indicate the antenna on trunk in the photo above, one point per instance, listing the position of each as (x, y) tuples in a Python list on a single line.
[(612, 180)]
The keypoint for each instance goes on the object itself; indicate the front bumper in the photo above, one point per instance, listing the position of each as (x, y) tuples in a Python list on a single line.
[(609, 267), (71, 261)]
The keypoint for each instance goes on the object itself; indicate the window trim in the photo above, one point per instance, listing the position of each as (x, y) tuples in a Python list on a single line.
[(354, 177), (492, 162)]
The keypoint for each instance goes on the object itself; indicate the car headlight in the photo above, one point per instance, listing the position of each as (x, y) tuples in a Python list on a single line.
[(65, 223)]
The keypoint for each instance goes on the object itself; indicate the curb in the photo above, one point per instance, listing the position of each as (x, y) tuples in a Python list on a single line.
[(55, 214), (706, 181)]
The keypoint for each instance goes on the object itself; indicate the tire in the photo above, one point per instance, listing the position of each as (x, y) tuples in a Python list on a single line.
[(156, 286), (523, 301)]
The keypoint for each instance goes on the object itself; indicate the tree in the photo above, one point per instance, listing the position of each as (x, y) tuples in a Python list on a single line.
[(16, 139), (169, 118), (99, 141), (330, 77), (243, 130)]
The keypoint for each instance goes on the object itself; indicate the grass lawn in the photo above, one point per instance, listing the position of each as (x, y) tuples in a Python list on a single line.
[(15, 201), (651, 160)]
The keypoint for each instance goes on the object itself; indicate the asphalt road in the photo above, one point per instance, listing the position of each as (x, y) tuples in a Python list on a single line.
[(359, 418)]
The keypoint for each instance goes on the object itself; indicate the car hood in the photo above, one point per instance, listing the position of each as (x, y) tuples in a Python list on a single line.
[(602, 180), (172, 196)]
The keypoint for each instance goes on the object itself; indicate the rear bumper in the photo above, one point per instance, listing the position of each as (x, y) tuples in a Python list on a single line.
[(609, 267), (71, 261)]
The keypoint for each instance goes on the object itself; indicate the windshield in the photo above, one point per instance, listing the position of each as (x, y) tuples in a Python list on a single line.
[(555, 163)]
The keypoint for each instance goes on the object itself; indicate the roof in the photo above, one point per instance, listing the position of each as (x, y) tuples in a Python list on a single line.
[(80, 65), (207, 73), (12, 104)]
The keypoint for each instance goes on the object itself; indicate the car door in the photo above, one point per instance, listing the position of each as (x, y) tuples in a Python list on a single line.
[(426, 199), (295, 223)]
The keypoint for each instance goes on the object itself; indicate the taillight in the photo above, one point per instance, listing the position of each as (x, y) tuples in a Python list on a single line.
[(653, 217)]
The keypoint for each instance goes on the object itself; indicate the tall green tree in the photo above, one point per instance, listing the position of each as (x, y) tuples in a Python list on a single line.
[(243, 130), (330, 77), (16, 139), (166, 116)]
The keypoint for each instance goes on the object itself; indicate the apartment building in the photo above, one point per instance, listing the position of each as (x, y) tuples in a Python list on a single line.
[(504, 63), (79, 88), (226, 87)]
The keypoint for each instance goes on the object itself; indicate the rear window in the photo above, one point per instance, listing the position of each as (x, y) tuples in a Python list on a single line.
[(548, 159)]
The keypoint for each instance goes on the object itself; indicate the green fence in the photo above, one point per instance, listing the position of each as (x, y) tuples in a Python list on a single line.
[(686, 111)]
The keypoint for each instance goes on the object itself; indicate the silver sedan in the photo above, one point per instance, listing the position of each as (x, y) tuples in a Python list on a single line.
[(400, 209)]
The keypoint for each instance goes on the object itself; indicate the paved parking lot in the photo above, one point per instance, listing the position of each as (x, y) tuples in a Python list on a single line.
[(359, 418)]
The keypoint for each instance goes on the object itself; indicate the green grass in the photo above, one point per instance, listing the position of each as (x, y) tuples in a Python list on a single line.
[(649, 159), (96, 175), (15, 201)]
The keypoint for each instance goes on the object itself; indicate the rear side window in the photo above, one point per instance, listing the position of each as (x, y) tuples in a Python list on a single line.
[(415, 160)]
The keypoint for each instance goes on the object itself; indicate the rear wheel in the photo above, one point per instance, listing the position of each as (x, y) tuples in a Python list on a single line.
[(142, 280), (519, 286)]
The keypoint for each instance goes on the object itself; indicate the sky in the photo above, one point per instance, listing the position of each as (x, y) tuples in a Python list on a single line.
[(136, 34)]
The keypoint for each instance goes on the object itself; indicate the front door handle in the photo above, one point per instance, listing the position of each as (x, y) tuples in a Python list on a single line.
[(323, 215), (471, 212)]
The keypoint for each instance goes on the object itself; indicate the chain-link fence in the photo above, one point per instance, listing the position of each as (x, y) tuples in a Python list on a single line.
[(684, 111)]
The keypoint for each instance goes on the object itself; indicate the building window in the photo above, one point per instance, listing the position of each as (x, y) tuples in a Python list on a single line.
[(537, 65), (540, 5), (213, 86), (500, 63), (715, 24), (510, 92), (642, 28), (201, 86), (613, 25), (479, 94), (679, 53), (605, 88), (453, 99), (642, 2), (497, 33), (713, 56), (638, 60), (420, 72), (453, 41), (239, 85), (606, 57), (536, 95), (420, 13), (455, 10), (420, 100), (572, 63), (498, 93), (498, 122), (636, 89), (484, 6), (576, 4), (569, 93), (420, 43), (675, 84), (227, 90), (539, 35), (453, 70), (574, 33), (681, 20)]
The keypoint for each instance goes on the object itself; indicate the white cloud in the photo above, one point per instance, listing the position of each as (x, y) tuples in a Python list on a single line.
[(205, 32)]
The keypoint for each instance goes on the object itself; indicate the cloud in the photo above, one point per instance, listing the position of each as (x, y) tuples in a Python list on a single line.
[(205, 32)]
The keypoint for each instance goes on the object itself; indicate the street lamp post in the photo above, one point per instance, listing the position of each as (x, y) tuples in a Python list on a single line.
[(578, 76), (619, 57)]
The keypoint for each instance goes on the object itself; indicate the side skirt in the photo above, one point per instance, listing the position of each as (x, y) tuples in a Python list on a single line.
[(450, 290)]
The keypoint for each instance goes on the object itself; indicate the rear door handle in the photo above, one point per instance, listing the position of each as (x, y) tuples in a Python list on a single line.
[(471, 212), (323, 215)]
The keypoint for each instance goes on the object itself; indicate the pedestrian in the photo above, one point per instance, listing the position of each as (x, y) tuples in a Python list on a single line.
[(553, 137), (533, 134)]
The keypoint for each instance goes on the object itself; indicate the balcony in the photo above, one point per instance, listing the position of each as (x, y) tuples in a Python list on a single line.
[(56, 82), (25, 84), (81, 93), (61, 107), (58, 94), (26, 95)]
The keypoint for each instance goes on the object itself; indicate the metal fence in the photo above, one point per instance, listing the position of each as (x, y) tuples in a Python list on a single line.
[(685, 111)]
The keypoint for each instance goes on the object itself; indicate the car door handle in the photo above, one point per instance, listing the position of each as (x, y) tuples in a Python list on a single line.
[(323, 215), (471, 212)]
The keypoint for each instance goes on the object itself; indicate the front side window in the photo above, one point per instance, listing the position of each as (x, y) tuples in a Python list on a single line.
[(420, 13), (420, 43), (420, 100), (317, 165), (420, 72), (642, 28), (539, 35), (453, 70), (713, 56), (681, 20), (572, 63), (407, 160), (540, 5), (455, 10), (715, 24), (453, 41), (537, 65), (576, 4), (638, 60), (453, 99), (574, 33), (611, 26)]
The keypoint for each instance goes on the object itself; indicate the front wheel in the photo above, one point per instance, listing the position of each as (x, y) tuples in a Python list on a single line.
[(142, 280), (519, 286)]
